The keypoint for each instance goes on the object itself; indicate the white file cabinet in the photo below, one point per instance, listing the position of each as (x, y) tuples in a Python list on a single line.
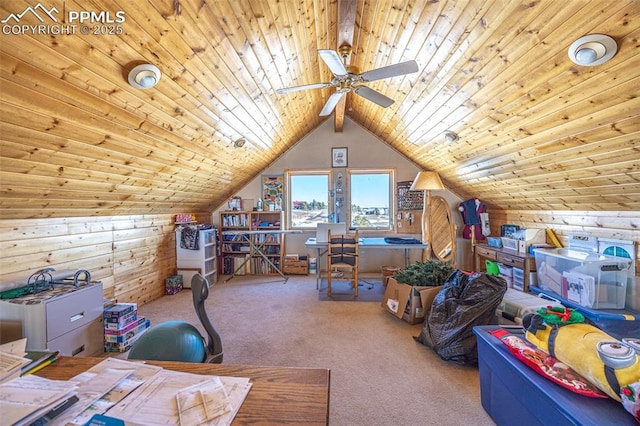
[(203, 260), (66, 318)]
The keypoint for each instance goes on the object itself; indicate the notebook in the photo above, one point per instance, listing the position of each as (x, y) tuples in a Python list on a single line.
[(322, 231)]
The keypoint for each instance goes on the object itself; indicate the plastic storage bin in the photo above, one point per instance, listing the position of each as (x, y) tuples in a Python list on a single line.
[(588, 279), (512, 393)]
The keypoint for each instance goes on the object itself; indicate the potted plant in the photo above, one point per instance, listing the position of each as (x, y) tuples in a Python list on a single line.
[(432, 273)]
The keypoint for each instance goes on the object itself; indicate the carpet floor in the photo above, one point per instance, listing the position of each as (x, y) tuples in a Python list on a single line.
[(379, 374)]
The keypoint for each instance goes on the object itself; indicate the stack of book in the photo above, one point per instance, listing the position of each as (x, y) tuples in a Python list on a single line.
[(122, 326)]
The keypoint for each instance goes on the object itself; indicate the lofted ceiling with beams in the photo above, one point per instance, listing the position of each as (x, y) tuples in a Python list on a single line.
[(537, 132)]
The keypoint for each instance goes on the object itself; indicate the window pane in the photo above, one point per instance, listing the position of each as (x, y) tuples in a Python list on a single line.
[(370, 200), (309, 200)]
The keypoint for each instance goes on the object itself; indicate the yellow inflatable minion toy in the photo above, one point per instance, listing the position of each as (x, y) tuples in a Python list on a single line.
[(610, 364)]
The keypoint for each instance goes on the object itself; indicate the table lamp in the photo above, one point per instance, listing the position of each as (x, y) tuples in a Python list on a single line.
[(426, 181)]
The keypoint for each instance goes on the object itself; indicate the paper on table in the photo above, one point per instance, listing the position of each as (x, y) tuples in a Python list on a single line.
[(11, 365), (202, 402), (138, 373), (92, 390), (17, 347), (155, 401), (26, 399)]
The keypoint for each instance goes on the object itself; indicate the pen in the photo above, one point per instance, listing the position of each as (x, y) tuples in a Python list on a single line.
[(41, 366)]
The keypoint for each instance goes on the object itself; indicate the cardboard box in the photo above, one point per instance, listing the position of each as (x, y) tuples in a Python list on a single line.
[(408, 302), (427, 295)]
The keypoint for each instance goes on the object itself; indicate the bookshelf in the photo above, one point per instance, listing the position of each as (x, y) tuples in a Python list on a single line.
[(236, 252)]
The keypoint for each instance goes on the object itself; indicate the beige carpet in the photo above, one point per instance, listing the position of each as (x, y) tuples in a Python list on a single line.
[(379, 374)]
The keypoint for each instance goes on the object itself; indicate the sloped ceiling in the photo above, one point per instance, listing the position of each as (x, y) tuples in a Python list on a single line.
[(536, 131)]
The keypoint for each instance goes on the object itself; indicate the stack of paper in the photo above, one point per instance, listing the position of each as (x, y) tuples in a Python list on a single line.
[(11, 366), (27, 399)]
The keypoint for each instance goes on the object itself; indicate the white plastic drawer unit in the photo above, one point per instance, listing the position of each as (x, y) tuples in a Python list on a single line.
[(67, 319)]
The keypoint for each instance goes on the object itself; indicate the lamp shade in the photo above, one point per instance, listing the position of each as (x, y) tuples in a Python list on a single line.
[(426, 181)]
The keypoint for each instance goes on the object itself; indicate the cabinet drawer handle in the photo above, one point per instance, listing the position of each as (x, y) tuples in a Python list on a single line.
[(77, 316)]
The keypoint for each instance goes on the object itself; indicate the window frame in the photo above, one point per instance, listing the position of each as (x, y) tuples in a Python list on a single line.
[(391, 172), (289, 205)]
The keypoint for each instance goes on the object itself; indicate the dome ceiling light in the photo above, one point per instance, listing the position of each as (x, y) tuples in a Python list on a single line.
[(594, 49), (144, 76), (451, 136)]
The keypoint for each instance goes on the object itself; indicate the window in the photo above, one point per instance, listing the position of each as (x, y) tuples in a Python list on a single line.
[(308, 200), (371, 199)]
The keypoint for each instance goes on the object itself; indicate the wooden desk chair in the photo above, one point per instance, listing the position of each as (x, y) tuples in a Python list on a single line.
[(342, 256)]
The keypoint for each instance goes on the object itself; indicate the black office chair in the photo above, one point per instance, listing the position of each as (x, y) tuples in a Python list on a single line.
[(179, 340)]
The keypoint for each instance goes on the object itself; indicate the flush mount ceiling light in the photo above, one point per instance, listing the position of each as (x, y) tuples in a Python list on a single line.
[(144, 76), (450, 136), (239, 143), (594, 49)]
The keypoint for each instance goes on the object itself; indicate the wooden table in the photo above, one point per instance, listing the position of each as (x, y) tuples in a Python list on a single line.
[(279, 394)]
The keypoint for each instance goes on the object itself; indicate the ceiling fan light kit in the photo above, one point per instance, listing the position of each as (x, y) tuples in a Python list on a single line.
[(144, 76), (348, 79), (593, 49)]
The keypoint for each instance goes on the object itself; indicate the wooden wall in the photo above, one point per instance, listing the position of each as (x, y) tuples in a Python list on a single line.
[(131, 255), (610, 224)]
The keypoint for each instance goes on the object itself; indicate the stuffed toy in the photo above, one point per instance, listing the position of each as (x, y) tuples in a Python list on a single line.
[(613, 366)]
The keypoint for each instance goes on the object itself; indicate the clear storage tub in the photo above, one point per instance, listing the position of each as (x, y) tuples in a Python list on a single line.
[(588, 279)]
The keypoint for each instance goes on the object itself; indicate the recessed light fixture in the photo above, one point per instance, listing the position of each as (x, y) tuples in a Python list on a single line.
[(144, 76), (450, 136), (239, 143), (593, 49)]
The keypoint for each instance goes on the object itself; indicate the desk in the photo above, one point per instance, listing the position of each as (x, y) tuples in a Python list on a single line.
[(258, 248), (365, 243), (526, 262), (279, 395)]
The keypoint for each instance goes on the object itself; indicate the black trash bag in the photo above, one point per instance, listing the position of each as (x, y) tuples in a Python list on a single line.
[(465, 301)]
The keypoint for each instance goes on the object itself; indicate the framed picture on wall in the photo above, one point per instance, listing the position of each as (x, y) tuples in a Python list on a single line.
[(339, 157), (272, 188)]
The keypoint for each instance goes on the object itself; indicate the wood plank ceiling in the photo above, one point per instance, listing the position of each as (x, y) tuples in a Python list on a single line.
[(536, 131)]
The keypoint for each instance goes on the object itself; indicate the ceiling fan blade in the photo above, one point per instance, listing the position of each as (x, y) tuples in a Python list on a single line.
[(331, 103), (333, 61), (390, 71), (373, 96), (303, 87)]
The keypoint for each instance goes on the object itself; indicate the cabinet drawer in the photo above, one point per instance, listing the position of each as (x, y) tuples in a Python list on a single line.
[(87, 340), (505, 259), (73, 310), (485, 252)]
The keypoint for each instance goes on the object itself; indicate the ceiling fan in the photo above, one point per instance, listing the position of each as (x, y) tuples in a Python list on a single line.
[(347, 79)]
